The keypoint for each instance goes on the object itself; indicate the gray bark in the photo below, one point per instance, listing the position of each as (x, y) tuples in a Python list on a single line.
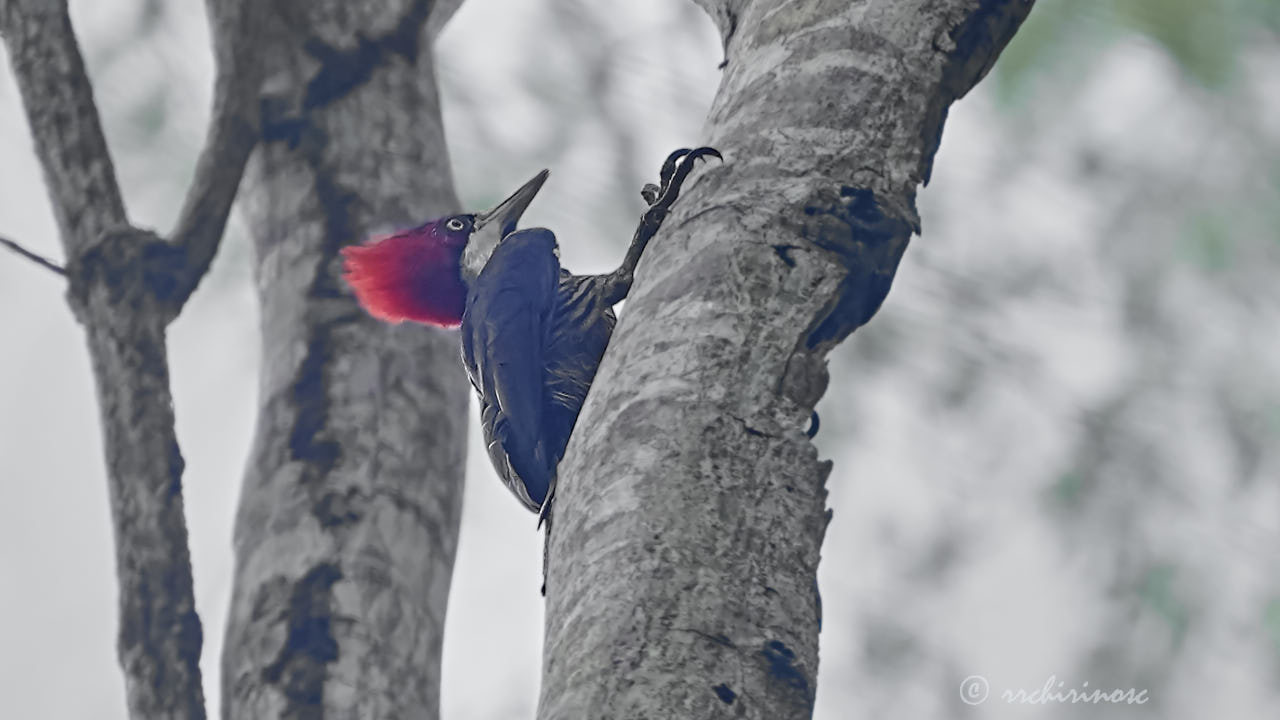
[(690, 508), (348, 522), (125, 285), (349, 512)]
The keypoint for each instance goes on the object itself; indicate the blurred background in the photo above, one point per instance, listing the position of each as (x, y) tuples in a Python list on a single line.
[(1056, 447)]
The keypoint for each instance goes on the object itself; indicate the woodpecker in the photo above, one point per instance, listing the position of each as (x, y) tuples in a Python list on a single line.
[(532, 332)]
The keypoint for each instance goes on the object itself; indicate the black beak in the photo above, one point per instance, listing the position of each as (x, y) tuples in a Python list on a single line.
[(507, 213)]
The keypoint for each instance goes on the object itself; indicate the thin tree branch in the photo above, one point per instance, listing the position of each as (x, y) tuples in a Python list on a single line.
[(33, 257), (64, 121), (234, 130)]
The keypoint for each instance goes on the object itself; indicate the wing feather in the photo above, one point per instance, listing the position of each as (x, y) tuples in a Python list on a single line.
[(504, 336)]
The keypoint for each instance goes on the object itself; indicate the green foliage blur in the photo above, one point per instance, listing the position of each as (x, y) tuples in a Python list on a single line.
[(1204, 37), (1071, 393)]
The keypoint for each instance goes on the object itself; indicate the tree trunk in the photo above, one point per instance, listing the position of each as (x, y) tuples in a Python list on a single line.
[(348, 523), (349, 513), (125, 286), (690, 508)]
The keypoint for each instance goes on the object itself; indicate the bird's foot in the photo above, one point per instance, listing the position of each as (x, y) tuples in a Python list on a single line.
[(660, 198), (675, 169)]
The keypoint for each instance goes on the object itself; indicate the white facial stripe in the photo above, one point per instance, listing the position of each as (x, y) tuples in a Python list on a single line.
[(478, 250)]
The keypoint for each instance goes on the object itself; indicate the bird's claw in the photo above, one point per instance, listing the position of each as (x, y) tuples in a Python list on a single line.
[(660, 198), (675, 169), (669, 169)]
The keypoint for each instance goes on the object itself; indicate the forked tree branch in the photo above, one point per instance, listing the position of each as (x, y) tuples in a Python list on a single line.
[(234, 130), (126, 286)]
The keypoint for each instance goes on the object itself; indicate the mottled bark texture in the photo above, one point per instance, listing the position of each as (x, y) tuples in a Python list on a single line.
[(691, 505), (125, 285), (349, 512)]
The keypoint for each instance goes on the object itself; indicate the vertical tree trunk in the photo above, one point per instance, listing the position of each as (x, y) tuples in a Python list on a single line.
[(691, 509), (349, 513)]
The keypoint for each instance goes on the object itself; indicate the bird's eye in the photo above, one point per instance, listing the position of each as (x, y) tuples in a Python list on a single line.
[(455, 224)]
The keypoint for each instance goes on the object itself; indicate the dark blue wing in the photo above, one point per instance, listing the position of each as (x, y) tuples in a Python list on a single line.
[(504, 327), (532, 339), (580, 326)]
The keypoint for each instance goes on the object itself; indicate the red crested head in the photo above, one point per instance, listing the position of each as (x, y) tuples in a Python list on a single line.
[(412, 275), (422, 274)]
